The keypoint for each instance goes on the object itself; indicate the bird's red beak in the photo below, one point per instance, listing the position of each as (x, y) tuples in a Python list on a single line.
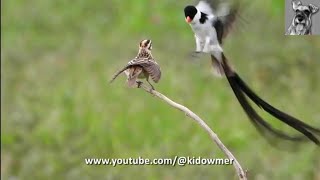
[(188, 19)]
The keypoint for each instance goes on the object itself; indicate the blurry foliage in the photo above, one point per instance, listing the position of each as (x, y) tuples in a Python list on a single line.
[(278, 7)]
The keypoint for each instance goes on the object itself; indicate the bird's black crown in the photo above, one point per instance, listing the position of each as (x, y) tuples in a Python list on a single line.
[(190, 11)]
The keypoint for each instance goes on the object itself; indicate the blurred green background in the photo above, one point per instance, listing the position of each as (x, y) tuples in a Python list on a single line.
[(57, 107)]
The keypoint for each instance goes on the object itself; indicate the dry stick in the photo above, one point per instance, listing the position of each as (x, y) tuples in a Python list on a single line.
[(192, 115)]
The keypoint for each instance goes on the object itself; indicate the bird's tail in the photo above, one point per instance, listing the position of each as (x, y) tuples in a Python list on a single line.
[(217, 68), (242, 91), (131, 82), (133, 74)]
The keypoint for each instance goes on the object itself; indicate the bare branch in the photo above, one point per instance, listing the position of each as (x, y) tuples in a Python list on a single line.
[(241, 174)]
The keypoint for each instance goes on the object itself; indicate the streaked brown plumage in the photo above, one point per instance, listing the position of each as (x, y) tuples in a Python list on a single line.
[(142, 66)]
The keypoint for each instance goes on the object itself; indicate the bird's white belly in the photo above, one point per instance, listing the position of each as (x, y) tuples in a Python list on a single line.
[(206, 38), (201, 33)]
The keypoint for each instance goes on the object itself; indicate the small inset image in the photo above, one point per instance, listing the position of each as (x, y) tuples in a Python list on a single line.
[(302, 17)]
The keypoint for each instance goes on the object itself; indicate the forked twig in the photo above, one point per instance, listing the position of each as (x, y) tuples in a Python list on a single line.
[(241, 174)]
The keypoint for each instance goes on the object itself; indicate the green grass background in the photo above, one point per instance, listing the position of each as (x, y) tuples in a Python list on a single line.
[(57, 107)]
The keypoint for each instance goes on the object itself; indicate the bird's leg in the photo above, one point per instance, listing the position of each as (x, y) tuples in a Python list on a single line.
[(206, 47), (150, 84), (198, 47), (139, 83), (195, 53), (198, 44)]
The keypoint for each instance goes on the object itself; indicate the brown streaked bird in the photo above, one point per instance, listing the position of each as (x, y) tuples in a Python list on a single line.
[(142, 66)]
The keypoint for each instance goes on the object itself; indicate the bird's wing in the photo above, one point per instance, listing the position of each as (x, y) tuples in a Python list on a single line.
[(123, 69), (216, 7), (149, 65), (226, 17), (207, 6), (225, 11), (152, 68), (118, 73)]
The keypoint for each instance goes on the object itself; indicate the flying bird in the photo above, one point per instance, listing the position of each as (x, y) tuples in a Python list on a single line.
[(142, 66), (211, 21)]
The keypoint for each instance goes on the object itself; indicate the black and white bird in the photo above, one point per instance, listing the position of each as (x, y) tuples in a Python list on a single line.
[(211, 21), (142, 66)]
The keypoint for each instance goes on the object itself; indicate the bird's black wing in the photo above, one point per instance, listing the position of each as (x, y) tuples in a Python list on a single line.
[(224, 23)]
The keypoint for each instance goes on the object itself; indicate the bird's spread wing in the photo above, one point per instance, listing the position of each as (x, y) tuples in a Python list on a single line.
[(120, 71), (153, 69), (225, 11), (215, 7), (225, 20), (207, 7), (150, 66)]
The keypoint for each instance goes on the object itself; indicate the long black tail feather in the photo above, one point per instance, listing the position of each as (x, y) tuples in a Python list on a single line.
[(257, 120), (261, 124), (289, 120), (270, 109), (240, 89)]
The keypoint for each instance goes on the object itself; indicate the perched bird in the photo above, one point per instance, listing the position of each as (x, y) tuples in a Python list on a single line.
[(211, 23), (142, 66)]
